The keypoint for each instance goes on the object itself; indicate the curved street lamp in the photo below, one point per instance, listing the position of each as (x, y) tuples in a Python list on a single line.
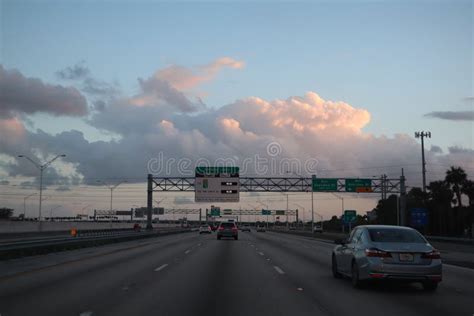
[(41, 168)]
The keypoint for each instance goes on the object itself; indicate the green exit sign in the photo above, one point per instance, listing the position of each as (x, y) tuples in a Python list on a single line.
[(266, 212), (358, 185), (349, 216), (324, 185)]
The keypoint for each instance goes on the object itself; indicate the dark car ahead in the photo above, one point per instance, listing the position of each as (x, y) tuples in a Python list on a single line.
[(228, 229)]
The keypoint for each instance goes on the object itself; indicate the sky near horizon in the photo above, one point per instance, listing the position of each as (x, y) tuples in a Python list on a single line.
[(350, 79)]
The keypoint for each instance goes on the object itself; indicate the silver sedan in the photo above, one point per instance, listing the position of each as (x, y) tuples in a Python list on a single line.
[(382, 252)]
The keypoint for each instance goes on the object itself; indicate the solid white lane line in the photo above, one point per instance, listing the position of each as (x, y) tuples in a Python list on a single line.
[(87, 313), (261, 253), (187, 251), (279, 270), (161, 267)]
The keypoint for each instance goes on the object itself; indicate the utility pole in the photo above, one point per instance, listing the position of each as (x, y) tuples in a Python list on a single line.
[(422, 135)]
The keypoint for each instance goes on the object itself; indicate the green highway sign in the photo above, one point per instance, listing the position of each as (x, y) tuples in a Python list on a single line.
[(279, 212), (324, 185), (266, 212), (215, 211), (358, 185), (349, 216), (216, 170)]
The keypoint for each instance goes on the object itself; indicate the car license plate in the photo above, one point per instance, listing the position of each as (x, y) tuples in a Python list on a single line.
[(406, 257)]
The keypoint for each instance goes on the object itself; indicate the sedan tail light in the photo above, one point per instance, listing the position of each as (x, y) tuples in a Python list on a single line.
[(221, 228), (234, 229), (374, 252), (435, 254)]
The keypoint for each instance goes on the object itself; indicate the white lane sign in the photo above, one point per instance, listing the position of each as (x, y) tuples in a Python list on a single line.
[(216, 184)]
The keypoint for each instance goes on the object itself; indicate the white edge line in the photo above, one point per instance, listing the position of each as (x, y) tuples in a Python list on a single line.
[(279, 270), (161, 267)]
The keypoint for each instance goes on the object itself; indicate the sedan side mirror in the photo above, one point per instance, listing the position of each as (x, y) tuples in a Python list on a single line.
[(340, 241)]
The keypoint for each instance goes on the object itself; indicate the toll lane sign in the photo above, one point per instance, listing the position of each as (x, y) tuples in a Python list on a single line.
[(216, 184)]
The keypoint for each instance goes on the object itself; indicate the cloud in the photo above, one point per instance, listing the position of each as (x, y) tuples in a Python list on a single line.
[(75, 72), (19, 94), (161, 121), (183, 78), (452, 115), (88, 84), (170, 86), (469, 99), (159, 92), (460, 150), (436, 149)]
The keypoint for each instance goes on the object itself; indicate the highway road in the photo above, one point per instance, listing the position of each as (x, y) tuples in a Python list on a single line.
[(191, 274)]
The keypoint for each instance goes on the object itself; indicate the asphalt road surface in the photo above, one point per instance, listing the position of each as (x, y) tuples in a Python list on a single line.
[(192, 274)]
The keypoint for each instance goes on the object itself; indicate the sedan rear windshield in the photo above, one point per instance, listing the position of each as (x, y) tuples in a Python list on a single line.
[(227, 225), (395, 235)]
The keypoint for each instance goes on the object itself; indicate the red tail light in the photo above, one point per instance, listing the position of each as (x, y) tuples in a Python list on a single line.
[(373, 252), (221, 228), (234, 229), (435, 254)]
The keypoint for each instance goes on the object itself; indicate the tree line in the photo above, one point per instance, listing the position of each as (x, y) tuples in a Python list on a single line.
[(443, 201)]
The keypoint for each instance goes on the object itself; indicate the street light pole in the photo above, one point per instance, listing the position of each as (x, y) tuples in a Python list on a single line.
[(24, 204), (112, 188), (51, 212), (41, 169), (304, 210), (342, 209)]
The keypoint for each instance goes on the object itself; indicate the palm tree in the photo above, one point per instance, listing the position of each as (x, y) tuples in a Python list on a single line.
[(456, 177), (468, 189), (441, 198)]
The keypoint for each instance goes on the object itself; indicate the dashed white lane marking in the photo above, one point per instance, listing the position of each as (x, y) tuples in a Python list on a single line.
[(199, 244), (279, 270), (86, 313), (161, 267), (187, 251), (260, 253)]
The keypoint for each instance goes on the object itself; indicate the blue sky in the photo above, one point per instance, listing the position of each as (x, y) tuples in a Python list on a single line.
[(398, 60)]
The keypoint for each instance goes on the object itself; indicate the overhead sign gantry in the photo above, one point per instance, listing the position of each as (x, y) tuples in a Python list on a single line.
[(270, 184)]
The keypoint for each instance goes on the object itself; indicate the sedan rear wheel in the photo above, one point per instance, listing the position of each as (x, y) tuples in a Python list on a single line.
[(356, 283)]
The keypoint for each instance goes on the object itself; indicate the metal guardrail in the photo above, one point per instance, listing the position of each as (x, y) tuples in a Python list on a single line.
[(85, 238)]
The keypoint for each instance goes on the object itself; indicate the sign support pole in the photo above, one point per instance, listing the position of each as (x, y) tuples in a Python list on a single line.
[(149, 226)]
